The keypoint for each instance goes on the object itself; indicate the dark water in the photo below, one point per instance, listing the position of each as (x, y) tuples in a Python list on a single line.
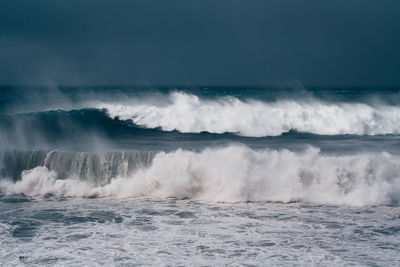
[(210, 175)]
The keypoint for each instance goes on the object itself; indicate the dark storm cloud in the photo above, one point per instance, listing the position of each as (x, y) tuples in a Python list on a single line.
[(342, 42)]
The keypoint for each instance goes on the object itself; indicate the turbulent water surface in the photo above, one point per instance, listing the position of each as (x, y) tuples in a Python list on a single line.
[(121, 175)]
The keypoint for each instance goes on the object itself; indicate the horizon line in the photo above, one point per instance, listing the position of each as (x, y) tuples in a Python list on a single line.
[(196, 86)]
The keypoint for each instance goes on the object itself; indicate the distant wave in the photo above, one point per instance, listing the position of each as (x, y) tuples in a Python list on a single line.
[(190, 114), (83, 129), (230, 174)]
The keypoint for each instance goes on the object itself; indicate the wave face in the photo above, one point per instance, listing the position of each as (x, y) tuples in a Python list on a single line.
[(93, 168), (209, 144), (230, 174), (188, 113)]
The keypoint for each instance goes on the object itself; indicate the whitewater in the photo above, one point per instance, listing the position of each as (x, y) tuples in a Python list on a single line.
[(230, 175), (189, 114), (172, 176)]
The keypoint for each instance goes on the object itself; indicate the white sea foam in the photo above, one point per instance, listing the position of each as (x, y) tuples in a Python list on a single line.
[(238, 173), (41, 181), (188, 113)]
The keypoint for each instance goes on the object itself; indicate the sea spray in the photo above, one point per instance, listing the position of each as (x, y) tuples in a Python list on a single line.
[(237, 174), (190, 114)]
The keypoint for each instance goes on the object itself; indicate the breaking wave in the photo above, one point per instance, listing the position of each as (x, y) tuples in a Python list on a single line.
[(231, 174), (189, 113)]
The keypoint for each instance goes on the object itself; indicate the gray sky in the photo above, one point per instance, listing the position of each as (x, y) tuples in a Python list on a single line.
[(202, 42)]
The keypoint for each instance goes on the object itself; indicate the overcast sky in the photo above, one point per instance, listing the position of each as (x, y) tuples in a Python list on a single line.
[(202, 42)]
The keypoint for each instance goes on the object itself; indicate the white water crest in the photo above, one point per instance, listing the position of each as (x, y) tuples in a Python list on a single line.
[(190, 114), (238, 174), (41, 181)]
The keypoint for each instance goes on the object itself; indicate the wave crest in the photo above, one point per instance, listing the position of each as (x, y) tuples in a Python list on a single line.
[(188, 113), (236, 174)]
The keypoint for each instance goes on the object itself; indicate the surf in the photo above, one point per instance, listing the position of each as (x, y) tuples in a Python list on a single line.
[(230, 174), (189, 113)]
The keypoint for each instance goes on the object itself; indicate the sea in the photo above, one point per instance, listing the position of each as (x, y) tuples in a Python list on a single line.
[(199, 176)]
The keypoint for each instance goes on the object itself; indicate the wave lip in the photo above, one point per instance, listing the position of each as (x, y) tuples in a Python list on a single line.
[(94, 168), (237, 174), (189, 114)]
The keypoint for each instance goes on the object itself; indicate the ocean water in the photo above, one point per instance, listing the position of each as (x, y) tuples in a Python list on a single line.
[(199, 176)]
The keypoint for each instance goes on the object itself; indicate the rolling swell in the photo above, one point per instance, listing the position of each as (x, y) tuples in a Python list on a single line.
[(94, 130), (188, 113), (230, 174), (81, 130)]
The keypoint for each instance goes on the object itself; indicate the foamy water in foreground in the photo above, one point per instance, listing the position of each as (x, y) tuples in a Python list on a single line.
[(174, 232)]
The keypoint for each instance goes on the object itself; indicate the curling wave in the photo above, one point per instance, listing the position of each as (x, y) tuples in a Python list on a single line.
[(190, 114), (232, 174)]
